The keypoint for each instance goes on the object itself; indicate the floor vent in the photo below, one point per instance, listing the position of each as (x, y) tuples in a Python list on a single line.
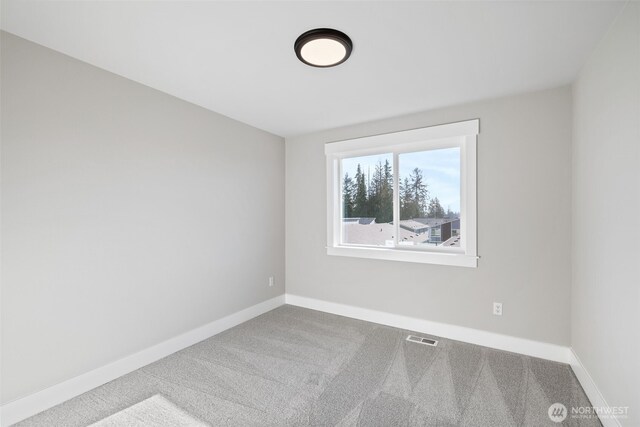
[(421, 340)]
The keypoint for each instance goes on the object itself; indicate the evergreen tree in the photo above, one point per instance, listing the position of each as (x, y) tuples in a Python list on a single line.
[(380, 203), (347, 196), (449, 212), (407, 206), (413, 196), (386, 193), (374, 187), (435, 209), (360, 199), (370, 196), (419, 193)]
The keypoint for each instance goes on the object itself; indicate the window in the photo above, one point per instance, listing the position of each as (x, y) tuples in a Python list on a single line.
[(405, 196)]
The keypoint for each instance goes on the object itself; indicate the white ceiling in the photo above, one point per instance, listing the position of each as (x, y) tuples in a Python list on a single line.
[(237, 58)]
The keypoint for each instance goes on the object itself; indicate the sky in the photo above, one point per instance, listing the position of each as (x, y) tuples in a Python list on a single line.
[(440, 169)]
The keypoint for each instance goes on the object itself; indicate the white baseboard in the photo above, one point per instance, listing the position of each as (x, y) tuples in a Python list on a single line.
[(19, 409), (25, 407), (527, 347), (590, 389), (542, 350)]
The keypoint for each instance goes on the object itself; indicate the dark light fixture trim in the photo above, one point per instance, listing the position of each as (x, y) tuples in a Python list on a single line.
[(319, 34)]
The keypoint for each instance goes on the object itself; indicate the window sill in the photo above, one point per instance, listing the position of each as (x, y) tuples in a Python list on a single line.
[(453, 259)]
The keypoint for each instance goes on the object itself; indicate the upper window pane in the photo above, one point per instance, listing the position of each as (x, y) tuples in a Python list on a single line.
[(430, 198), (367, 200)]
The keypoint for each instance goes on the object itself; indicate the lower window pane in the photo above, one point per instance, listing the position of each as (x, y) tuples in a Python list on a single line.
[(430, 198), (367, 200)]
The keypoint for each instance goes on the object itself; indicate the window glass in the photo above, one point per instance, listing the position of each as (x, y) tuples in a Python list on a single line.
[(405, 196), (367, 200), (430, 198)]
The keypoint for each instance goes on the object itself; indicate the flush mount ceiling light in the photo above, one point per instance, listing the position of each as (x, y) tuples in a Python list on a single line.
[(323, 47)]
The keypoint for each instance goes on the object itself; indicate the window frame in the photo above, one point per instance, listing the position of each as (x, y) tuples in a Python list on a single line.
[(460, 134)]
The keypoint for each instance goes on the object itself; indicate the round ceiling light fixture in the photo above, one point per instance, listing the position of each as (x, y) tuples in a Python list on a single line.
[(323, 47)]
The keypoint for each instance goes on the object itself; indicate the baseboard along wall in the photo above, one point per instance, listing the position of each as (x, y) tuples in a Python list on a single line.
[(25, 407), (459, 333), (20, 409), (524, 346), (591, 389)]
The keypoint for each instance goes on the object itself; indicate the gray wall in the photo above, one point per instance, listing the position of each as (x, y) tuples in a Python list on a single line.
[(524, 207), (606, 213), (128, 217)]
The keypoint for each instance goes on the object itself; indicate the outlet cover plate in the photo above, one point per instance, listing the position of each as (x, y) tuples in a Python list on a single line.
[(497, 308)]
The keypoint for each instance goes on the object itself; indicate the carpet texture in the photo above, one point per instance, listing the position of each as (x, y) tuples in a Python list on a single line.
[(154, 411), (298, 367)]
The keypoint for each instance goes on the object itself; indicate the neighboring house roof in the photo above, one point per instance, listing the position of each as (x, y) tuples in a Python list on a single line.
[(372, 233), (377, 234), (412, 225), (453, 241), (359, 220)]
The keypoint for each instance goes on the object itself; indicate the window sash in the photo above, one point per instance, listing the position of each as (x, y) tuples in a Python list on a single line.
[(462, 135), (417, 147)]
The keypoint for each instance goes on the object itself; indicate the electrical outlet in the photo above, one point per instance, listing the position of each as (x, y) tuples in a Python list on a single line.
[(271, 281), (497, 308)]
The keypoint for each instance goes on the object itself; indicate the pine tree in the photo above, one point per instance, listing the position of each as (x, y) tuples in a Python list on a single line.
[(386, 193), (373, 203), (419, 193), (435, 209), (360, 205), (449, 212), (347, 196), (407, 207), (414, 196)]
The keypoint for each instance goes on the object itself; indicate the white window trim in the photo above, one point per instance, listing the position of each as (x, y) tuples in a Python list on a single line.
[(460, 134)]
